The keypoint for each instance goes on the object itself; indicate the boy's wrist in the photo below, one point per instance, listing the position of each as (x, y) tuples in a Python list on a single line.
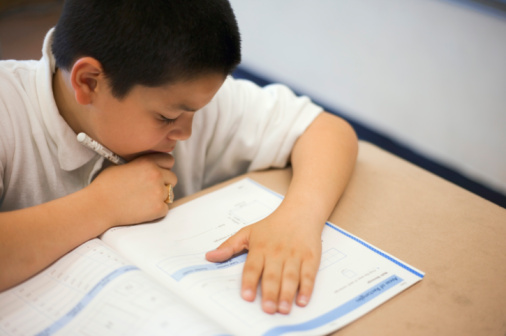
[(99, 209), (299, 218), (302, 207)]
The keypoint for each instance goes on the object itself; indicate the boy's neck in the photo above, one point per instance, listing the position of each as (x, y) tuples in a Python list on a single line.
[(64, 98)]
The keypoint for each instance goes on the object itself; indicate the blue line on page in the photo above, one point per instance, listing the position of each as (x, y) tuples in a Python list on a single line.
[(88, 297), (265, 188), (340, 311), (179, 274), (372, 248)]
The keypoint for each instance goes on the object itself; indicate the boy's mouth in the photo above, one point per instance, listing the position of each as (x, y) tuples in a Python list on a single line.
[(148, 152), (167, 150)]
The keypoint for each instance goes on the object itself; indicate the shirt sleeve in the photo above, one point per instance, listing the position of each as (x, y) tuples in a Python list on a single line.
[(244, 128)]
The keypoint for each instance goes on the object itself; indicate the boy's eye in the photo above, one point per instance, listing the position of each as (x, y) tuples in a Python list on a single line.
[(167, 120)]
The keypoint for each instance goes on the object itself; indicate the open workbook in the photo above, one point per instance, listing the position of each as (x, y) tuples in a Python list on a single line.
[(153, 279)]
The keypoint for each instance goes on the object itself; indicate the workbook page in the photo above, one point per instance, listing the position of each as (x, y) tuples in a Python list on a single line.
[(354, 277), (94, 291)]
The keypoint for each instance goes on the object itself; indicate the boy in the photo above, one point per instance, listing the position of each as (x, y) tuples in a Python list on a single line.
[(137, 76)]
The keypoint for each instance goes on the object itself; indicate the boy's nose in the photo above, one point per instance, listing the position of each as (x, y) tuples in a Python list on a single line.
[(183, 128)]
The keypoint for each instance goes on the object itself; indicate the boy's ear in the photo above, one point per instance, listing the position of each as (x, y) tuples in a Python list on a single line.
[(87, 78)]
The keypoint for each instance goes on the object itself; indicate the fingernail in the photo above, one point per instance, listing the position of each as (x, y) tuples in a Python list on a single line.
[(247, 295), (284, 307), (269, 307), (302, 300)]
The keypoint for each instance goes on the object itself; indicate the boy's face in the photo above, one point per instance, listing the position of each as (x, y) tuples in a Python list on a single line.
[(148, 119)]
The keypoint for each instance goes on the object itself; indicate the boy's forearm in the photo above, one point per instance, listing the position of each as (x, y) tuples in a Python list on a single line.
[(323, 159), (34, 237)]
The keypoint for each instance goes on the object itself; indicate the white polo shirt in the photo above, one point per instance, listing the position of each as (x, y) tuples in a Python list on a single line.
[(243, 128)]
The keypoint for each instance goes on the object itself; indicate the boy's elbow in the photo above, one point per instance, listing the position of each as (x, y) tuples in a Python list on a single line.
[(339, 130)]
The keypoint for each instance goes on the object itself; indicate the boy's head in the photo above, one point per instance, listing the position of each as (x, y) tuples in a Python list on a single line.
[(148, 42)]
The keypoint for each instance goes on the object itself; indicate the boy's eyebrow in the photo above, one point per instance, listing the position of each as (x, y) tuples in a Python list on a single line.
[(185, 108)]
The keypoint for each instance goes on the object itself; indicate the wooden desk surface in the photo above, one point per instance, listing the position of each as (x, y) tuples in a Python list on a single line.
[(457, 238)]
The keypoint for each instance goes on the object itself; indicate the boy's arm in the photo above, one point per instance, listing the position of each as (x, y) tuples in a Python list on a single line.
[(33, 238), (285, 248)]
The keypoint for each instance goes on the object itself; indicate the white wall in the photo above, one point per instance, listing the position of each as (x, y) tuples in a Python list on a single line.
[(429, 73)]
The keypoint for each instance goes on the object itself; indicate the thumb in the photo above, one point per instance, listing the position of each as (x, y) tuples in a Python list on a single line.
[(230, 247)]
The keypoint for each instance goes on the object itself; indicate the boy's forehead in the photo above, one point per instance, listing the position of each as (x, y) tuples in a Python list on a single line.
[(186, 95)]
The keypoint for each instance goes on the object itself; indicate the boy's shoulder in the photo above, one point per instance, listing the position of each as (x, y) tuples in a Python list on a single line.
[(18, 94), (17, 77), (15, 66)]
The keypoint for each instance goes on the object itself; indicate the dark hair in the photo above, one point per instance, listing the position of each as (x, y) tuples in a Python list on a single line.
[(148, 42)]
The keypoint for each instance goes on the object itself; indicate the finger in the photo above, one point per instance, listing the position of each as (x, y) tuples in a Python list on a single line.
[(307, 280), (163, 160), (232, 246), (251, 274), (220, 254), (289, 285), (168, 177), (156, 168), (170, 194), (169, 181), (271, 284)]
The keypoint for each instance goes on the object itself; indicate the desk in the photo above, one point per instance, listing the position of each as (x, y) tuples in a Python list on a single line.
[(457, 238)]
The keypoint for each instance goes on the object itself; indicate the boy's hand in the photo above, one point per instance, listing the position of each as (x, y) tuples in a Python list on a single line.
[(284, 253), (135, 192)]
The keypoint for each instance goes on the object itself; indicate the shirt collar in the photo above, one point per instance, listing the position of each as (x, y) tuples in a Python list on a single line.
[(71, 154)]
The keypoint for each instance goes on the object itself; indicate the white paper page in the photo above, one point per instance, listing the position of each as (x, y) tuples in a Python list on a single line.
[(94, 291), (354, 277)]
